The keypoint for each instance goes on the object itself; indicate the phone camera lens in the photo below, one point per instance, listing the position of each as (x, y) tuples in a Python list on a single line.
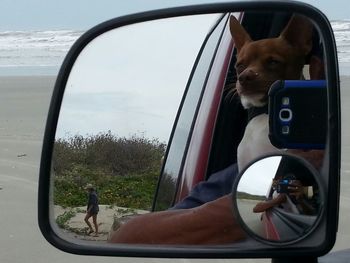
[(285, 115)]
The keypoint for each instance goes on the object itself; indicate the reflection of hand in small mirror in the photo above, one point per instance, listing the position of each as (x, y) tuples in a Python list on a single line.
[(296, 189), (192, 226), (285, 188), (265, 205), (304, 200), (293, 197)]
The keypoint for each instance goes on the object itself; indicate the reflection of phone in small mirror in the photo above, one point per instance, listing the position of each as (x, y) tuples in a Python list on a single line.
[(298, 114), (282, 186), (284, 183)]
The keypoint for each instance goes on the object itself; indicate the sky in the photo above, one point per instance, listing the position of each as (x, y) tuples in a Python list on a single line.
[(134, 91), (83, 14), (257, 179)]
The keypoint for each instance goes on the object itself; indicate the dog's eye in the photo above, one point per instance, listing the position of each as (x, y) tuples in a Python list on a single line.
[(274, 62), (239, 68)]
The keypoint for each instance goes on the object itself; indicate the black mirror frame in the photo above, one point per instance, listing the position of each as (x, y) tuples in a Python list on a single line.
[(332, 196)]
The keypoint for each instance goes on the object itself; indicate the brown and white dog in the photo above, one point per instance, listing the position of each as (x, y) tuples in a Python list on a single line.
[(259, 64)]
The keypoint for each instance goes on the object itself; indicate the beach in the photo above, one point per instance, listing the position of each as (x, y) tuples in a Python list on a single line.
[(23, 111), (109, 219)]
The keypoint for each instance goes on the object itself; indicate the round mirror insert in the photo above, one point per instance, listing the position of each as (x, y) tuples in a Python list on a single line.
[(278, 198)]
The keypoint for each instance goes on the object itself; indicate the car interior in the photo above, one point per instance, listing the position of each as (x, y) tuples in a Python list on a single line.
[(232, 118)]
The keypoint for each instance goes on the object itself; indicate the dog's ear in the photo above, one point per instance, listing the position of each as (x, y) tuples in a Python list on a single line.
[(238, 33), (298, 33)]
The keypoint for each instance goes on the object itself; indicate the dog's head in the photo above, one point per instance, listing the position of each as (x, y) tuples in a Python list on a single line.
[(260, 63)]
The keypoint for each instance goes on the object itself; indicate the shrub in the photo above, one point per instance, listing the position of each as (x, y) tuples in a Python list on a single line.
[(124, 171), (117, 156)]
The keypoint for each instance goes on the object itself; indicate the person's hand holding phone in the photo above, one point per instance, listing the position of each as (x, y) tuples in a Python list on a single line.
[(296, 189)]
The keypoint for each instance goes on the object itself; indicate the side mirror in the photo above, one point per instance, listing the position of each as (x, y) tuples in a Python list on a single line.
[(136, 114)]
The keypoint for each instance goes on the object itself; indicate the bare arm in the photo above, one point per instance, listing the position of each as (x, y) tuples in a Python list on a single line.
[(211, 223), (263, 206)]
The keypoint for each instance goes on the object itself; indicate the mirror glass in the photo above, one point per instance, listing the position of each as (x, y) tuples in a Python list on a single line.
[(278, 198), (137, 101), (119, 106)]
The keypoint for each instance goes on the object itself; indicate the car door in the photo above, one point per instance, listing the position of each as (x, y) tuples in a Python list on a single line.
[(210, 124)]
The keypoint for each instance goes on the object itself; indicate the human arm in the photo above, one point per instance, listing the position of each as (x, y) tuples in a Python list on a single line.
[(218, 185), (210, 223), (263, 206)]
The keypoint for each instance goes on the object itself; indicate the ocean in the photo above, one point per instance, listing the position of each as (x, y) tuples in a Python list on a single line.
[(341, 30), (42, 52), (34, 52)]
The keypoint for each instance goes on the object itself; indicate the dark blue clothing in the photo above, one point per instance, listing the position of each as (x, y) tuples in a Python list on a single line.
[(218, 185), (93, 202)]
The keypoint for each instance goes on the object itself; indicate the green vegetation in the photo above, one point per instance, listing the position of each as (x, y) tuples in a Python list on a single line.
[(62, 220), (124, 170), (244, 195)]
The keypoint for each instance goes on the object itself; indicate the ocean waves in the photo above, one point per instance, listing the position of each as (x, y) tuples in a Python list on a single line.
[(33, 49), (341, 29)]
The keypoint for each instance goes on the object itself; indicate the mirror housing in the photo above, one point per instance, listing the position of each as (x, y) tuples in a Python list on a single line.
[(310, 246)]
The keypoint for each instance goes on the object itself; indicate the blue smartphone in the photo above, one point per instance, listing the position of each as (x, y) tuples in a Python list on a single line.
[(298, 114), (282, 186)]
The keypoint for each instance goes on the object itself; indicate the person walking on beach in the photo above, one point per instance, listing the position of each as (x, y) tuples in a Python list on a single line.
[(92, 209)]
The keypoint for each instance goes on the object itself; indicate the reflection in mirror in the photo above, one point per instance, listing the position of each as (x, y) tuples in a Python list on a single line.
[(278, 198), (117, 113), (114, 133)]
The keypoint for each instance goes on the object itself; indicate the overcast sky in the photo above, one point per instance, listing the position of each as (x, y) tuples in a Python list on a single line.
[(83, 14), (118, 85)]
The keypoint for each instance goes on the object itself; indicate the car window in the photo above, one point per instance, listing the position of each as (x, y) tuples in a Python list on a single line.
[(182, 129)]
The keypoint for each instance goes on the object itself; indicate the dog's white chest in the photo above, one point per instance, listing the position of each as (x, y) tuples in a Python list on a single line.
[(255, 142)]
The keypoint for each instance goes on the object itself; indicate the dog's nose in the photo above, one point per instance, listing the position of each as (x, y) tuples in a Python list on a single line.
[(247, 75)]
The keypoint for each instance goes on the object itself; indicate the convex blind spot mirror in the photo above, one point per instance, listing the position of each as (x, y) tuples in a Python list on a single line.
[(279, 199), (144, 109)]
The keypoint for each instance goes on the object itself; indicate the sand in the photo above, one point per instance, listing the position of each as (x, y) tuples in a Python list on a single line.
[(24, 103), (109, 219)]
